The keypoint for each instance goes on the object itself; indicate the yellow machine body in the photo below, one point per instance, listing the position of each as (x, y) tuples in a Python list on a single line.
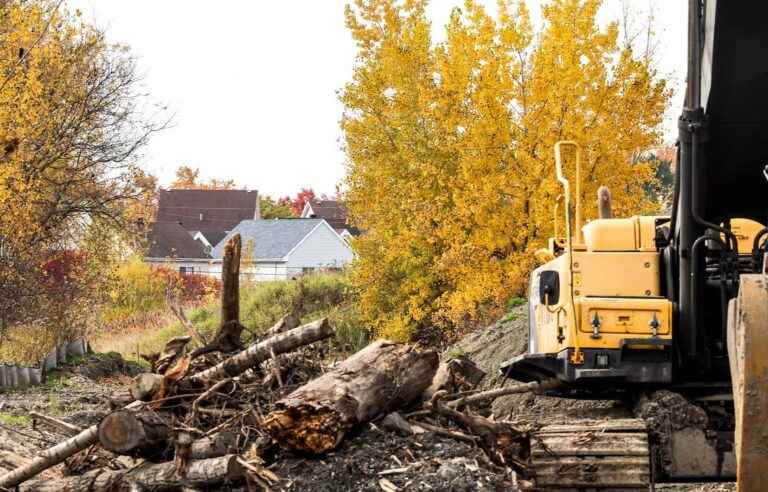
[(616, 303)]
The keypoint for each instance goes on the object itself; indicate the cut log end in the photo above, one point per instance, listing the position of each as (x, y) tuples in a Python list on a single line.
[(143, 433), (308, 430), (120, 431)]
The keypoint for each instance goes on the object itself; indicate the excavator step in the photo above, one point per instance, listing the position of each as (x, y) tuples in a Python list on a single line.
[(592, 455)]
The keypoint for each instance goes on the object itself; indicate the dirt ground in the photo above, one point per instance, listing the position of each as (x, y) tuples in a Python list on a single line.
[(373, 459)]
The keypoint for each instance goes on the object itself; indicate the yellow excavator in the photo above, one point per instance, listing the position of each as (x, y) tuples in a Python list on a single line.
[(677, 304)]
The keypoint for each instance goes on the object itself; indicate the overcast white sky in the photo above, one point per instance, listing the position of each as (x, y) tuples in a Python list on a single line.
[(253, 83)]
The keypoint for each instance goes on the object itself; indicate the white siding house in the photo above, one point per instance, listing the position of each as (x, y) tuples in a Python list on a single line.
[(285, 248)]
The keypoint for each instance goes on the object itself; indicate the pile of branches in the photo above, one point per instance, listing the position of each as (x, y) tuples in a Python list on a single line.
[(213, 416)]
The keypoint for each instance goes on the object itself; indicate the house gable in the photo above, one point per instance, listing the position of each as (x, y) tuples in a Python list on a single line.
[(321, 248)]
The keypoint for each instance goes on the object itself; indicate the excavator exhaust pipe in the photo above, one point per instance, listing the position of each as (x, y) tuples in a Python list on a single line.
[(604, 203)]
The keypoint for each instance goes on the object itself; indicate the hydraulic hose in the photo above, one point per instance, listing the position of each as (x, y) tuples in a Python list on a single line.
[(675, 194), (758, 238), (734, 245)]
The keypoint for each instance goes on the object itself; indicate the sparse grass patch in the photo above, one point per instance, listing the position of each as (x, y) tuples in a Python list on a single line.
[(261, 306), (514, 302), (14, 420)]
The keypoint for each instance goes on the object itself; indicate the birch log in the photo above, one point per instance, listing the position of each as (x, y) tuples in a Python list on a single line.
[(162, 476), (259, 352), (55, 455), (382, 377)]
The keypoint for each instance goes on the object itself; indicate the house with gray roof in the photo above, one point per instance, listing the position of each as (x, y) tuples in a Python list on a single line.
[(275, 249)]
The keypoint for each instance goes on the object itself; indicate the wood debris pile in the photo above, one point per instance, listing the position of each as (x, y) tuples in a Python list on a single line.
[(212, 417)]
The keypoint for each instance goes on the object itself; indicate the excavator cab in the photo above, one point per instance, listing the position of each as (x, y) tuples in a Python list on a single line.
[(679, 302)]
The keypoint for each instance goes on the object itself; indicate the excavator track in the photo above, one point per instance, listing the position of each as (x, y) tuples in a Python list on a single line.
[(592, 454)]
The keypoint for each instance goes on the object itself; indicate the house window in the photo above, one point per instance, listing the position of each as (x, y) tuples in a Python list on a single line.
[(186, 270)]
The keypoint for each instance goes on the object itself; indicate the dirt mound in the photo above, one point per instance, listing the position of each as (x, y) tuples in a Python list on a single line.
[(490, 347), (98, 366)]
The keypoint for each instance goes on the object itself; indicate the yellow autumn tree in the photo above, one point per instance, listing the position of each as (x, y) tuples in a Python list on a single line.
[(73, 121), (450, 147)]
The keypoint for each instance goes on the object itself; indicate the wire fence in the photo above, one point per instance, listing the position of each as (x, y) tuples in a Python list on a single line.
[(261, 274), (13, 376)]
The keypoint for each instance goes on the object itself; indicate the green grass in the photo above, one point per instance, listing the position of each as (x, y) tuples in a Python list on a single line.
[(261, 306), (514, 302), (14, 420)]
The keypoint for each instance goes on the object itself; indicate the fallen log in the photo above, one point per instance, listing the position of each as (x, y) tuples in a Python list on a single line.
[(143, 433), (213, 446), (64, 427), (55, 455), (259, 352), (222, 470), (382, 377), (531, 387), (287, 322)]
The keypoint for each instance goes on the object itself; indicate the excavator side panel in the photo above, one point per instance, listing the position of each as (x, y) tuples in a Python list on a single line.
[(748, 353)]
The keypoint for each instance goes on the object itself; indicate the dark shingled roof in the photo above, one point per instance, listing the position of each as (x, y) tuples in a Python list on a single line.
[(171, 240), (270, 238), (212, 212), (334, 212)]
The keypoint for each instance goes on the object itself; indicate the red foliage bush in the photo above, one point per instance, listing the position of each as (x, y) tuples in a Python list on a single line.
[(190, 287)]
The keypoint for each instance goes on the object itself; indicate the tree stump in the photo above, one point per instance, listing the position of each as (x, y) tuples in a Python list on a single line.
[(227, 338)]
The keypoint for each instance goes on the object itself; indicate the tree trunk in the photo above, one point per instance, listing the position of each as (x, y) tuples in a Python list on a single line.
[(55, 455), (212, 446), (141, 434), (64, 427), (145, 386), (230, 280), (382, 377), (259, 352), (161, 476), (227, 339)]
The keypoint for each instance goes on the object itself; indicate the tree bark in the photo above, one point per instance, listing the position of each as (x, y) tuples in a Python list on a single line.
[(145, 386), (259, 352), (141, 434), (230, 280), (55, 455), (227, 338), (382, 377), (457, 374), (490, 395), (212, 446), (156, 477)]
